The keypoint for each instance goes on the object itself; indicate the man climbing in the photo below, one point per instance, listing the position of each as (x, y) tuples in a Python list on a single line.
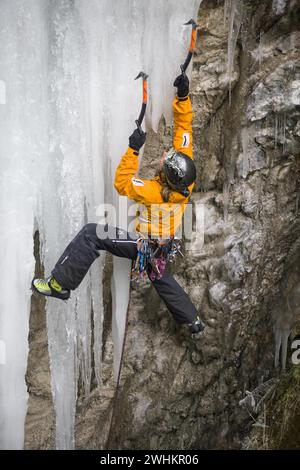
[(163, 200)]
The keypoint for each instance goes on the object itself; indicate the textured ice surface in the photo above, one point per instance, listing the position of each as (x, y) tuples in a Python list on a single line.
[(68, 102), (23, 129)]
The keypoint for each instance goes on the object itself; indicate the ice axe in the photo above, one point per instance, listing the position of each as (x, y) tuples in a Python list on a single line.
[(145, 99), (192, 44)]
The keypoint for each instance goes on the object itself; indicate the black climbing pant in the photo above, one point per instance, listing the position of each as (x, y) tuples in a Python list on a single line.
[(77, 258)]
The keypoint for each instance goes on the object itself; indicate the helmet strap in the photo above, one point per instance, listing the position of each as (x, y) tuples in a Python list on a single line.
[(185, 192)]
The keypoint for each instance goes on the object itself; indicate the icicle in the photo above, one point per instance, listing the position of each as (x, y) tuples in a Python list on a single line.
[(277, 346), (281, 343), (255, 399), (233, 11), (260, 50), (280, 131), (283, 132), (83, 330), (97, 307), (278, 6), (245, 143), (225, 201), (275, 131)]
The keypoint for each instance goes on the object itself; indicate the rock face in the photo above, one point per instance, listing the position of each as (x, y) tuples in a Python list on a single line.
[(175, 392), (40, 419)]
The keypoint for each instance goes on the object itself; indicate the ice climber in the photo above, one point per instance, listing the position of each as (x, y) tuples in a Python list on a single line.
[(163, 200)]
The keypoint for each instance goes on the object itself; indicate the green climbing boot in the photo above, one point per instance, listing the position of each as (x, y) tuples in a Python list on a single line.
[(50, 288)]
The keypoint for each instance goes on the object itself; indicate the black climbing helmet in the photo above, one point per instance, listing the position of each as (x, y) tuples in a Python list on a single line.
[(179, 170)]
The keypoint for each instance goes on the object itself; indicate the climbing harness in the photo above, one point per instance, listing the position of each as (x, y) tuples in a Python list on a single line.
[(152, 257)]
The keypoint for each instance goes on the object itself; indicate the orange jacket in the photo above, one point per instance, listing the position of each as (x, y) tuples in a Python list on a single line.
[(157, 218)]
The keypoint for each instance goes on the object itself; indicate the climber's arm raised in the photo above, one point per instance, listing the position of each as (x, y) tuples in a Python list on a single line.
[(183, 117), (126, 181)]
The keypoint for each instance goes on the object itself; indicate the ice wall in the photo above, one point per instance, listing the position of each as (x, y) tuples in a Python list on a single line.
[(68, 69), (23, 144)]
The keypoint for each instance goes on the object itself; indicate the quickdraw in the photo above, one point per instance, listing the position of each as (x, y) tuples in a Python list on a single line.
[(153, 256)]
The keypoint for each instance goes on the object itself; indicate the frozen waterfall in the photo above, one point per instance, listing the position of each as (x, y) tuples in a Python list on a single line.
[(68, 103)]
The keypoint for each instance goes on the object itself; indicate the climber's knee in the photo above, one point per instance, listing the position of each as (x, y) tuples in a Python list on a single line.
[(89, 229)]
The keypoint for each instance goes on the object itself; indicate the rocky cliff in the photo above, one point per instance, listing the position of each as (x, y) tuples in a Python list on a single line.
[(175, 392)]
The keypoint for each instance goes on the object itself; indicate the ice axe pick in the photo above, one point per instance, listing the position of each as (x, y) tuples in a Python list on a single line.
[(192, 44)]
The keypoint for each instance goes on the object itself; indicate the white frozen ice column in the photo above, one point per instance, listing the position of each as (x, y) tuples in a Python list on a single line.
[(23, 143)]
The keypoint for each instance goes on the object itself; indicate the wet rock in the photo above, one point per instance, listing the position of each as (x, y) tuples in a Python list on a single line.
[(217, 293), (278, 93)]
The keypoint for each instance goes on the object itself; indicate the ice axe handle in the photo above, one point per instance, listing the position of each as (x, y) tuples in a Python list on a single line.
[(145, 99), (192, 45), (187, 62), (141, 117)]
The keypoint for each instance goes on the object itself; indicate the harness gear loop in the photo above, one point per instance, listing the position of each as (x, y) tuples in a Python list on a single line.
[(152, 257)]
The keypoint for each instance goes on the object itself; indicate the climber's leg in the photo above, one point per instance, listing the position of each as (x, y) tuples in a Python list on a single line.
[(77, 258), (175, 298), (79, 255), (178, 303)]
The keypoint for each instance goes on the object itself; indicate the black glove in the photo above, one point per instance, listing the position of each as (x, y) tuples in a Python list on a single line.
[(137, 139), (182, 83)]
